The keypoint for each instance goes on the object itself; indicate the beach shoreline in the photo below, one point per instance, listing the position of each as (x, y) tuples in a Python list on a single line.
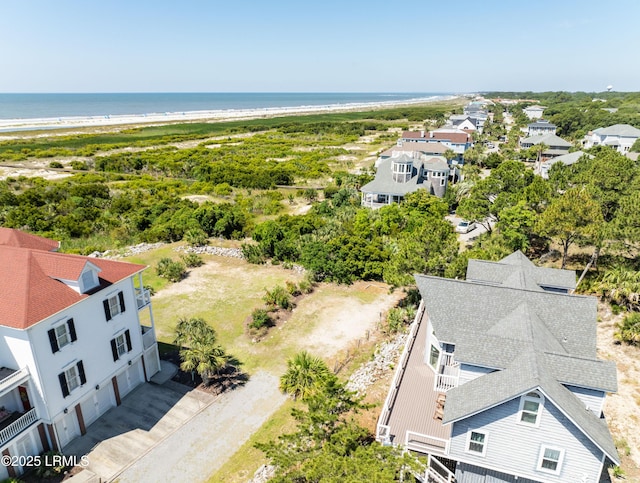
[(9, 126)]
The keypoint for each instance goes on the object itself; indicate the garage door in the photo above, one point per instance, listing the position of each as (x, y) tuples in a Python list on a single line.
[(130, 378), (67, 428)]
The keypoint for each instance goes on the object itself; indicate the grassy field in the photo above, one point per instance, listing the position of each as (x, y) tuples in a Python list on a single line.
[(224, 292)]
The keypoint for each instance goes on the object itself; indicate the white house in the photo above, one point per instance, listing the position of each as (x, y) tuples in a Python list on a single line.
[(540, 128), (619, 136), (72, 344), (533, 112), (501, 382), (543, 168)]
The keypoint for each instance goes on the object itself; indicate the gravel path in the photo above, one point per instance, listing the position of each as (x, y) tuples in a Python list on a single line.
[(208, 440)]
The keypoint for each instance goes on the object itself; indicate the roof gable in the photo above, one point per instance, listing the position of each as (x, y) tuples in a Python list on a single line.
[(21, 239), (32, 287)]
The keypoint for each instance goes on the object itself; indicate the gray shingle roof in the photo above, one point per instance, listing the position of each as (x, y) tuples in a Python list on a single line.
[(550, 140), (528, 372), (501, 318), (518, 271), (384, 183), (624, 130), (568, 159)]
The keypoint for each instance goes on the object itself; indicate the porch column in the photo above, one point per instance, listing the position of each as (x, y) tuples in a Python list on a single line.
[(10, 469), (83, 429), (114, 381)]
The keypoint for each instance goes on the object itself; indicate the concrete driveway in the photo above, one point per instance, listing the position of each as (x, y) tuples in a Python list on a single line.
[(147, 416)]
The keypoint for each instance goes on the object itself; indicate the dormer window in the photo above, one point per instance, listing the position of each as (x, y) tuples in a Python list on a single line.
[(89, 280), (530, 409)]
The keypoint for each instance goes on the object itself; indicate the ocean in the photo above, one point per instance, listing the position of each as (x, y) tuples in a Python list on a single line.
[(52, 106)]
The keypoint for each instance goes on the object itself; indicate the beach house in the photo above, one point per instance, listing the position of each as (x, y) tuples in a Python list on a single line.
[(403, 173), (533, 112), (76, 336), (499, 379), (553, 145), (619, 136), (540, 128)]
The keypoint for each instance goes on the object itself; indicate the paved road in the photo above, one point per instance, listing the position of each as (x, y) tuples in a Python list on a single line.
[(210, 438)]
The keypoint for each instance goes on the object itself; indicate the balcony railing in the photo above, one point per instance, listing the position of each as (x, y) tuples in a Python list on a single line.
[(148, 336), (12, 380), (143, 298), (18, 426), (448, 373)]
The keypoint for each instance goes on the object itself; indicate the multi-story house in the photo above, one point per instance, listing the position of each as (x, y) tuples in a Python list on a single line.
[(619, 136), (76, 335), (540, 128), (533, 112), (403, 173), (554, 145), (455, 139), (499, 380)]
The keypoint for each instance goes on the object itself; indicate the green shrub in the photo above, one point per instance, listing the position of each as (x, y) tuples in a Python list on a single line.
[(305, 286), (260, 318), (192, 260), (172, 271), (253, 253), (278, 297), (292, 288), (223, 189), (44, 470), (629, 329), (79, 165), (56, 164), (196, 237)]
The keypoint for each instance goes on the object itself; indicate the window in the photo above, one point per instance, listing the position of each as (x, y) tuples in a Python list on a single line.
[(442, 181), (113, 305), (121, 345), (530, 409), (550, 459), (61, 335), (477, 442), (434, 354), (72, 378)]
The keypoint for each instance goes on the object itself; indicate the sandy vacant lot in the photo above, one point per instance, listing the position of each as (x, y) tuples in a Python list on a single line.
[(622, 409)]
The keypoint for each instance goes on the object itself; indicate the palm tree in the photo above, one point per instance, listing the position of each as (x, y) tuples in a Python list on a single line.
[(205, 358), (198, 348), (305, 376)]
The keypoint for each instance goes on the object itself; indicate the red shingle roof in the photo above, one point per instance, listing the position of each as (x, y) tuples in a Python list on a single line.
[(17, 238), (454, 137), (30, 286)]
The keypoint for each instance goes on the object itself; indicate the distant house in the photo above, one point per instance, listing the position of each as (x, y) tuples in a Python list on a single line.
[(540, 127), (556, 146), (544, 167), (533, 112), (430, 149), (619, 136), (501, 383), (403, 173)]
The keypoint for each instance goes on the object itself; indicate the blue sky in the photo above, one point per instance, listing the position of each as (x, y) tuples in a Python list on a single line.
[(328, 46)]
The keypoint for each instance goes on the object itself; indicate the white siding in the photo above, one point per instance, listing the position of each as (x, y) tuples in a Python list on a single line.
[(590, 397), (514, 448), (469, 372)]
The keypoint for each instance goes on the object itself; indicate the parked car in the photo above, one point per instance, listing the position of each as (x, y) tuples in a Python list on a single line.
[(466, 226)]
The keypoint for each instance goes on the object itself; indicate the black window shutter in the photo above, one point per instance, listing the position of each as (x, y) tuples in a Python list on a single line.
[(107, 312), (83, 378), (72, 330), (127, 336), (63, 384), (114, 350), (53, 341), (121, 297)]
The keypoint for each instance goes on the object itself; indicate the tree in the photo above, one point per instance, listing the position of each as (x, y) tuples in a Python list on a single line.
[(305, 376), (199, 350), (573, 217), (629, 329)]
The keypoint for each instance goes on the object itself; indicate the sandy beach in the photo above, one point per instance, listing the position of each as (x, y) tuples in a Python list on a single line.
[(11, 125)]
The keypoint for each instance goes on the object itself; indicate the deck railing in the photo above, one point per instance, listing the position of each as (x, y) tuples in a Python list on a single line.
[(423, 443), (397, 378), (448, 373), (444, 382), (13, 379), (143, 298), (148, 336), (18, 426), (439, 472)]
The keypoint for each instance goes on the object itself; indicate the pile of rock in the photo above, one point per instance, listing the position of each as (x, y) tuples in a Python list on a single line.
[(211, 250), (127, 252), (385, 358), (263, 474)]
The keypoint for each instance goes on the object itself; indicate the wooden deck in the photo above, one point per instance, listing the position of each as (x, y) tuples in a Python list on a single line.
[(414, 412)]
